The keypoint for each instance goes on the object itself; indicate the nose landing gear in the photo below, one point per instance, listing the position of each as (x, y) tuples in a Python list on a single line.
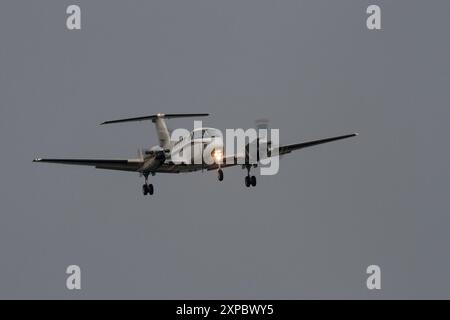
[(220, 175)]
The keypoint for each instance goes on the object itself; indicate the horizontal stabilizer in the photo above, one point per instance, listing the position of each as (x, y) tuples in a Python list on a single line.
[(159, 115)]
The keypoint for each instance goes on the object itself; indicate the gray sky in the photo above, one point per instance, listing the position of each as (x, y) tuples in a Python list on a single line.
[(311, 67)]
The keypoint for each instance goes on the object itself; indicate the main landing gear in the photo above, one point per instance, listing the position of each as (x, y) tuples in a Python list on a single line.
[(147, 188), (249, 180)]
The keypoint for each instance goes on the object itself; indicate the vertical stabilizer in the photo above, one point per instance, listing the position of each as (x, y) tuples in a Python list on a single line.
[(162, 132), (160, 124)]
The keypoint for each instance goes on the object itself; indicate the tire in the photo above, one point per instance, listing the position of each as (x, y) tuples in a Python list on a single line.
[(247, 181), (220, 175), (150, 189), (144, 189), (253, 181)]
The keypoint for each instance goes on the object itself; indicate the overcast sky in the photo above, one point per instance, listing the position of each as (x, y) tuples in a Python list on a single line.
[(311, 67)]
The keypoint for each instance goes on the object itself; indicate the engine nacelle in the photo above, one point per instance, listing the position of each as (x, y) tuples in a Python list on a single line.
[(257, 149), (155, 159)]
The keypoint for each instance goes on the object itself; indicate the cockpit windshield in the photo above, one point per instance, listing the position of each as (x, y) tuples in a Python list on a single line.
[(205, 133)]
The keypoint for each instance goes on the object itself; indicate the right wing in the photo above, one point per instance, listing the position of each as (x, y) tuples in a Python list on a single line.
[(122, 165)]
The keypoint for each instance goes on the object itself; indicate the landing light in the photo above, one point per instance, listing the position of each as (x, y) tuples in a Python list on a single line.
[(217, 155)]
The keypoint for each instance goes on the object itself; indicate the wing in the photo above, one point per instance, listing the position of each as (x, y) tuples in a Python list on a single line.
[(289, 148), (228, 161), (169, 167), (233, 160), (122, 165)]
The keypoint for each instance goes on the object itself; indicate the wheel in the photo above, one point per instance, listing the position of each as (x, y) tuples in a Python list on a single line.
[(150, 189), (247, 181), (220, 175), (253, 181), (144, 189)]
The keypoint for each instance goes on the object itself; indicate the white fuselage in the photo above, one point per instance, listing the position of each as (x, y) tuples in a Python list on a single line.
[(201, 146)]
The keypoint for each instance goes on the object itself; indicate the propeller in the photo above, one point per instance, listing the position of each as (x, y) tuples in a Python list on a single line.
[(263, 123), (141, 157)]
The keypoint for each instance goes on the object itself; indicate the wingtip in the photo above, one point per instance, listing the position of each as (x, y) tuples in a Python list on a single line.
[(37, 160)]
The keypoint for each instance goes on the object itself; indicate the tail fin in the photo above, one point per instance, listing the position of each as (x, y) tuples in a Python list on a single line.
[(160, 124)]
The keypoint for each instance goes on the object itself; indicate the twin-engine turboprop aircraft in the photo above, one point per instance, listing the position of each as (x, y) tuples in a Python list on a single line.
[(160, 159)]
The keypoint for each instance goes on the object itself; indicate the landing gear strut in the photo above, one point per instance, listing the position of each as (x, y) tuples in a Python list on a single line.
[(147, 188), (249, 180)]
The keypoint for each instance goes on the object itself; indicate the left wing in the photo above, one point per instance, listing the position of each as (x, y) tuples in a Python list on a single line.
[(122, 165), (233, 160), (289, 148)]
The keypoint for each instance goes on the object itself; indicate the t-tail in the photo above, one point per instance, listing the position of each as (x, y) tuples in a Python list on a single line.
[(160, 124)]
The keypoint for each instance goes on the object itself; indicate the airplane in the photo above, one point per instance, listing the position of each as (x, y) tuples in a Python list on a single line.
[(157, 159)]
